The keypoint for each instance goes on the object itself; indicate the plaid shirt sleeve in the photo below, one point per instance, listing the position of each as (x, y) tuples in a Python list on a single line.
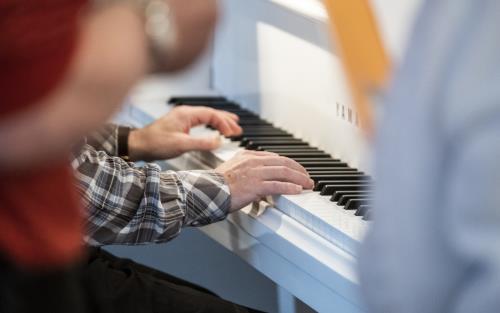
[(126, 204), (105, 139)]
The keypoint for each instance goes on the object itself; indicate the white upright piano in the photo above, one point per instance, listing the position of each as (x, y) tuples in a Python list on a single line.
[(275, 58)]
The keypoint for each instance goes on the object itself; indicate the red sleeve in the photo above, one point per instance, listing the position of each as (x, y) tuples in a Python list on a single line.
[(37, 40)]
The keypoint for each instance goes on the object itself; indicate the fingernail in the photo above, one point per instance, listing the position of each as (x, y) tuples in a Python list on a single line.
[(298, 188)]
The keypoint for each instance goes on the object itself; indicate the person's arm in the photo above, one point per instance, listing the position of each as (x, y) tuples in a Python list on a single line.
[(168, 136), (134, 205), (105, 139)]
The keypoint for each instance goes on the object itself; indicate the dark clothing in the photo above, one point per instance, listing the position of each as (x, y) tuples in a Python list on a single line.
[(132, 287), (54, 291), (107, 284)]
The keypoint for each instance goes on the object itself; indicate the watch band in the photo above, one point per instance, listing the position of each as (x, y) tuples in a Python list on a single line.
[(123, 134)]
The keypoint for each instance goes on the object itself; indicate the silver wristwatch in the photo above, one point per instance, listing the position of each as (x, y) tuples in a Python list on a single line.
[(159, 25)]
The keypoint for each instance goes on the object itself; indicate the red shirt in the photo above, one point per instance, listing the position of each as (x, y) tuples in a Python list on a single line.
[(40, 223)]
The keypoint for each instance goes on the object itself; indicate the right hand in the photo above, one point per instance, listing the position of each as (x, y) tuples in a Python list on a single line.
[(252, 175)]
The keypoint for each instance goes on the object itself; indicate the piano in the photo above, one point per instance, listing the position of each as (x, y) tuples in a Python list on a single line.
[(341, 192), (272, 64), (305, 243)]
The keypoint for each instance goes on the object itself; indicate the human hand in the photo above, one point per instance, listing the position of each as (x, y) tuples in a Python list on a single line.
[(195, 22), (252, 175), (168, 137)]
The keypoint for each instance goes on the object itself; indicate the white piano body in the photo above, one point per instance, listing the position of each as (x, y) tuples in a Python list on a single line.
[(275, 58)]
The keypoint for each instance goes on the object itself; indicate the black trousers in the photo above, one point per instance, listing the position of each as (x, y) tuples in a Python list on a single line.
[(127, 286), (47, 291)]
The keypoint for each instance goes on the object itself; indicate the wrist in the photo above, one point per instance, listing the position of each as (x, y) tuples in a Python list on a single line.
[(137, 150)]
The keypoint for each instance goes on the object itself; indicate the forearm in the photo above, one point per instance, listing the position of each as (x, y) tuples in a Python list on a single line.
[(137, 205), (105, 139)]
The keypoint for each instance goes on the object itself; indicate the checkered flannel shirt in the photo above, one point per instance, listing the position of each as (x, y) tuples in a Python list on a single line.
[(129, 204)]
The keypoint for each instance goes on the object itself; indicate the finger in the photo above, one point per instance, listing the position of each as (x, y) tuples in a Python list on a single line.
[(278, 161), (189, 143), (235, 128), (284, 174), (222, 123), (269, 188), (232, 116), (216, 118)]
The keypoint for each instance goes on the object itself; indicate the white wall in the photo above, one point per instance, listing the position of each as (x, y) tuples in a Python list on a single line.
[(275, 56)]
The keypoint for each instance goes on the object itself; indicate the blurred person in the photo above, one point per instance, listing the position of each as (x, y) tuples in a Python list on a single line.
[(63, 79), (129, 204), (433, 245), (66, 66)]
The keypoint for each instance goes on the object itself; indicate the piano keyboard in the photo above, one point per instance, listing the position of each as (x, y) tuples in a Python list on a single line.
[(339, 205)]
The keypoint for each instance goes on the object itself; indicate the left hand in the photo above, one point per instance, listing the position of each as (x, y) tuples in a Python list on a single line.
[(168, 137)]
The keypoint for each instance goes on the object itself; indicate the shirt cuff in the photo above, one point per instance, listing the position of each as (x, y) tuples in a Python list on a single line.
[(208, 198)]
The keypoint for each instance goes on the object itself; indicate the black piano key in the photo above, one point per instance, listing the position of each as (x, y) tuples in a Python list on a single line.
[(329, 187), (311, 154), (333, 169), (339, 176), (253, 122), (257, 145), (246, 137), (336, 189), (361, 211), (338, 194), (313, 164), (255, 139), (226, 106), (313, 159), (266, 132), (290, 149), (261, 128), (240, 111), (219, 105), (196, 99), (368, 215), (345, 198), (248, 119), (318, 186), (253, 118), (278, 140), (353, 204), (319, 171)]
